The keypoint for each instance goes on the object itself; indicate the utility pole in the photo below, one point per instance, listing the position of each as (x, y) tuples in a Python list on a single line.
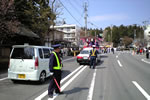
[(85, 10), (95, 37), (111, 32), (134, 34), (52, 21)]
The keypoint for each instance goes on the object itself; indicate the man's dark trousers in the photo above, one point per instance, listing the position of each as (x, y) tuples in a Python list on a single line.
[(53, 86), (92, 62)]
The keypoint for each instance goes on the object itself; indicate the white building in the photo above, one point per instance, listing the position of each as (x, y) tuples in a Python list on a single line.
[(58, 36), (71, 33), (147, 35)]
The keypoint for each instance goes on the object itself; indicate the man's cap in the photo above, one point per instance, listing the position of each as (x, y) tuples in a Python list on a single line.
[(56, 46)]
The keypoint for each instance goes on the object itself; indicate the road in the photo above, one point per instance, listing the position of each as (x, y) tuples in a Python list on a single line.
[(119, 76)]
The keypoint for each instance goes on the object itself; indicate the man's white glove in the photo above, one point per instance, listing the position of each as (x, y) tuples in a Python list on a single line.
[(51, 73)]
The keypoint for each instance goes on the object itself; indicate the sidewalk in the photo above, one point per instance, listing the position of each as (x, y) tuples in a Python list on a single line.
[(143, 58)]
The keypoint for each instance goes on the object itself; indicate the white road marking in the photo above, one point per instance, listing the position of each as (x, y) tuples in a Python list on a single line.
[(68, 82), (147, 96), (117, 56), (145, 61), (71, 74), (90, 95), (119, 63), (3, 78), (46, 92)]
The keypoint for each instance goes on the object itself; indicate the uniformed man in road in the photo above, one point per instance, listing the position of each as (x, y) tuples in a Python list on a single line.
[(147, 53), (93, 56), (55, 66)]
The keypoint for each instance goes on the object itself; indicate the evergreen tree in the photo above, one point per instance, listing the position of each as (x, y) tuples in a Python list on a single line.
[(34, 14)]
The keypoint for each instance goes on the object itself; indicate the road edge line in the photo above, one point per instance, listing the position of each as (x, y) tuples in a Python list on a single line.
[(3, 78)]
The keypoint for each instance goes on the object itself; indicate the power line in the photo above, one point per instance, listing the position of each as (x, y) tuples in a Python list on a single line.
[(70, 13), (93, 24), (77, 10), (85, 10), (81, 15), (78, 4)]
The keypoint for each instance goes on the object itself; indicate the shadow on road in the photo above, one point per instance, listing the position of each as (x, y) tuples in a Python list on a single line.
[(74, 90), (100, 62), (104, 56), (23, 82), (99, 67), (65, 73)]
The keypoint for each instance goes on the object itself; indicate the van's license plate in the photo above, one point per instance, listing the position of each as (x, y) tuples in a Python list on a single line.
[(21, 75)]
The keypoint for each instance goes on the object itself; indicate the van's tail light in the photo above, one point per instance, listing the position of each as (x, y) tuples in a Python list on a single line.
[(36, 63), (79, 57)]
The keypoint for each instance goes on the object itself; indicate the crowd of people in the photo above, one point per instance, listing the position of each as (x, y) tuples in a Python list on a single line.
[(144, 51)]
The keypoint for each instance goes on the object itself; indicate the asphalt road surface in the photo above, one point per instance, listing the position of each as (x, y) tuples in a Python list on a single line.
[(119, 76)]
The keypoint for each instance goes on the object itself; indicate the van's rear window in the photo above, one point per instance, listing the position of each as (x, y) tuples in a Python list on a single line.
[(23, 53)]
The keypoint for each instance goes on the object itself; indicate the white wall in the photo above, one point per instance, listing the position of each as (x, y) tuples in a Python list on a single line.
[(147, 35)]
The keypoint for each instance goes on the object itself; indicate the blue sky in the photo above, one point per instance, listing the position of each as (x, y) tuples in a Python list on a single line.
[(104, 13)]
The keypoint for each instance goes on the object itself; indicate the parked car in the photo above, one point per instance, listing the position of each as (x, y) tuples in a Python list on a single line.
[(84, 56), (29, 63)]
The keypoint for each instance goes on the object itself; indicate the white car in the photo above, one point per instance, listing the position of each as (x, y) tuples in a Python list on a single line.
[(29, 63), (84, 56)]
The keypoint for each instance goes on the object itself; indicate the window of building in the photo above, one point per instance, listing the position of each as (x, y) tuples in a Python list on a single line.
[(73, 27), (68, 35), (65, 35), (68, 29)]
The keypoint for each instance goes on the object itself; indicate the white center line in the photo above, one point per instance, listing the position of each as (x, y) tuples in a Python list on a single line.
[(147, 96), (116, 56), (119, 63), (92, 87)]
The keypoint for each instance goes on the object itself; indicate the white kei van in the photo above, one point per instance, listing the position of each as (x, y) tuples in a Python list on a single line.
[(29, 63)]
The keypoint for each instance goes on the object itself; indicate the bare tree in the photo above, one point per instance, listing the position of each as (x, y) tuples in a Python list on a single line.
[(127, 41), (8, 22), (56, 11)]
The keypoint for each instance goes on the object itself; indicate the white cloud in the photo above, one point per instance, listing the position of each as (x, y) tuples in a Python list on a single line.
[(109, 17)]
